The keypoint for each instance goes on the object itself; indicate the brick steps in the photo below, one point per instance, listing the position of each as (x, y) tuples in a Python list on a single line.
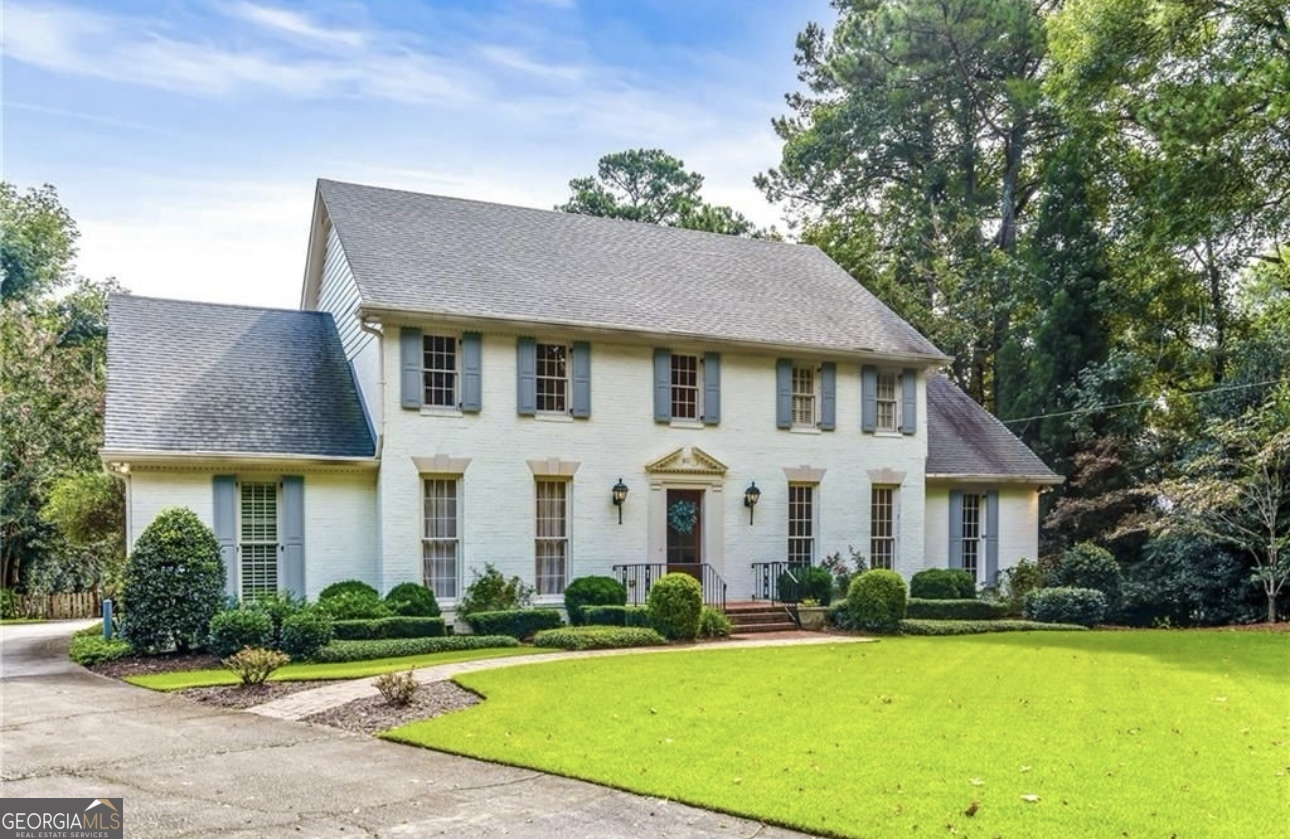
[(755, 618)]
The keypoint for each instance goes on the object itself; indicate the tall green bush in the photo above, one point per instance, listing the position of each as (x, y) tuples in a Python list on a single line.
[(412, 600), (592, 591), (942, 584), (877, 600), (1066, 604), (174, 583), (1087, 566), (233, 629), (675, 603)]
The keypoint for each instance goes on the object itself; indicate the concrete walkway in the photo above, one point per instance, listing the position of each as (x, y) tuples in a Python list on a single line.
[(304, 703), (186, 770)]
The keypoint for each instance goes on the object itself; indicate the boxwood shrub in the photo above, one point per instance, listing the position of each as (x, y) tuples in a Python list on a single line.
[(592, 591), (615, 616), (808, 581), (412, 600), (174, 583), (597, 637), (338, 651), (353, 604), (954, 610), (1086, 566), (942, 584), (92, 649), (517, 623), (357, 586), (233, 629), (398, 627), (1066, 604), (933, 627), (305, 633), (877, 600)]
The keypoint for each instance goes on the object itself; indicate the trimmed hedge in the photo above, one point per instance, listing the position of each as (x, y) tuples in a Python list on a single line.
[(597, 638), (592, 591), (353, 605), (356, 586), (615, 616), (338, 651), (378, 628), (306, 632), (954, 610), (675, 602), (1066, 604), (929, 627), (877, 600), (942, 584), (517, 623), (233, 629), (92, 649), (412, 600)]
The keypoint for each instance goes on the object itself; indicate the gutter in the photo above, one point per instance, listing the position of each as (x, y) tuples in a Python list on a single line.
[(1050, 479), (120, 460)]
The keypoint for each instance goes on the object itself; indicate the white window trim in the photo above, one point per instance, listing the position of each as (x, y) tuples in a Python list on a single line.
[(816, 372), (457, 479), (897, 399), (697, 420), (428, 408), (814, 489), (895, 523), (542, 413)]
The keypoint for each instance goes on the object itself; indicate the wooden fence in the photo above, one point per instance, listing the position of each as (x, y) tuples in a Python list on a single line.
[(59, 606)]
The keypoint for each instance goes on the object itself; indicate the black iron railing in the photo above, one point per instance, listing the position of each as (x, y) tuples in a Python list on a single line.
[(639, 577), (778, 582)]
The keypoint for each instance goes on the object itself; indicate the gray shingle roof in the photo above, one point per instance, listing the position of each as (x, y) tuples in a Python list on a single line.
[(449, 256), (965, 439), (199, 377)]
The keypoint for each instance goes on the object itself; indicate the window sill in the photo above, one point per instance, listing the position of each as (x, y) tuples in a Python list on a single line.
[(436, 411), (890, 432), (553, 418), (693, 425), (805, 429)]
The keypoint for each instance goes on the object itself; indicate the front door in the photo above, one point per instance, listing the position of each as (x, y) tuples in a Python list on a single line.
[(685, 531)]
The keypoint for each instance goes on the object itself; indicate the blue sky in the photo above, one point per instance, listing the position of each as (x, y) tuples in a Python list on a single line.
[(185, 137)]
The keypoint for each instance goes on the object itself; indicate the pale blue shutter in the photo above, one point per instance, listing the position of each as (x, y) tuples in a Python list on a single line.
[(784, 393), (225, 525), (291, 568), (410, 365), (828, 396), (472, 392), (711, 388), (868, 399), (526, 377), (581, 379), (956, 528), (909, 402), (991, 536), (662, 385)]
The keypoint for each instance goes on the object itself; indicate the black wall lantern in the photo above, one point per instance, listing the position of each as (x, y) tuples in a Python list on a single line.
[(751, 496), (620, 495)]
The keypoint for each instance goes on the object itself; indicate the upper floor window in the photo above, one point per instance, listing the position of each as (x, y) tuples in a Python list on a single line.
[(686, 392), (804, 395), (687, 387), (888, 400), (439, 371), (552, 378)]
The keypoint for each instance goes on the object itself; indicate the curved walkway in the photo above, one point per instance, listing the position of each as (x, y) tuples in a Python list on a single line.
[(305, 703)]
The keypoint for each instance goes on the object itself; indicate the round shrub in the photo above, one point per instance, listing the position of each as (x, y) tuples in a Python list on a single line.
[(347, 586), (1086, 566), (354, 604), (675, 603), (278, 606), (942, 584), (305, 633), (412, 600), (233, 629), (592, 591), (713, 623), (174, 583), (803, 583), (876, 600), (1066, 604)]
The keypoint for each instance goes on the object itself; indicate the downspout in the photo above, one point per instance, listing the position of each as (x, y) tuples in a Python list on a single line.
[(380, 378)]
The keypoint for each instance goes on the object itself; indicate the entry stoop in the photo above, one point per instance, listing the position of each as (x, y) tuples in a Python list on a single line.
[(755, 617)]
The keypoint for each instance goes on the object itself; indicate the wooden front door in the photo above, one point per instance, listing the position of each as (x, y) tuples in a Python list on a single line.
[(685, 531)]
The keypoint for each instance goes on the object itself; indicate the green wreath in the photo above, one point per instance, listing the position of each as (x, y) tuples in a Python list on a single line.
[(682, 516)]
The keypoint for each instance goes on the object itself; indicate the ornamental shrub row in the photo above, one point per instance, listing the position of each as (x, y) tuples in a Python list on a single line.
[(615, 616), (954, 610), (338, 651), (517, 623), (597, 638), (942, 584), (1066, 604), (953, 627), (586, 592), (396, 627)]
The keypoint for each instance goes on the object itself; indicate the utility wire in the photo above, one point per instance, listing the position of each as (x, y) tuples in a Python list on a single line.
[(1188, 394)]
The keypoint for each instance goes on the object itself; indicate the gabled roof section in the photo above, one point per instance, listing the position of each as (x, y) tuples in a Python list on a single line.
[(451, 257), (965, 440), (188, 378)]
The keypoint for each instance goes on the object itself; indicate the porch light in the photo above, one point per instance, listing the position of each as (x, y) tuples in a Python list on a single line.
[(751, 496), (620, 495)]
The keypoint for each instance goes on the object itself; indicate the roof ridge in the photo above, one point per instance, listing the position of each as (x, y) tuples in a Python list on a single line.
[(211, 303)]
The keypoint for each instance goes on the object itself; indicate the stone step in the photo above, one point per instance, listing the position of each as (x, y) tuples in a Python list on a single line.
[(760, 617), (757, 628)]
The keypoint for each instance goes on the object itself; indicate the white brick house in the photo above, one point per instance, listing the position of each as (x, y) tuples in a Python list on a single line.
[(469, 383)]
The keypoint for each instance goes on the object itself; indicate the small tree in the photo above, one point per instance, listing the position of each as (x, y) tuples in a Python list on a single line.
[(174, 583)]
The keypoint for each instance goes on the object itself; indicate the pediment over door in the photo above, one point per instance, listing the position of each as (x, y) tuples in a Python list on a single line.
[(687, 460)]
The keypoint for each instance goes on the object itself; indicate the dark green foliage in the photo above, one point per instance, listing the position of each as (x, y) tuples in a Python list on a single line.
[(353, 604), (592, 591), (396, 627), (840, 615), (233, 629), (347, 586), (675, 602), (597, 638), (877, 600), (1066, 604), (92, 649), (1017, 582), (338, 651), (615, 616), (278, 606), (942, 584), (517, 623), (1188, 582), (490, 591), (1086, 566), (174, 583), (933, 627), (412, 600), (954, 610), (713, 623), (305, 633), (803, 583)]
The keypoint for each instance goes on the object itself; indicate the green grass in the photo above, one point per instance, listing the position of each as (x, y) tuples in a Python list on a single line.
[(313, 672), (1138, 734), (11, 621)]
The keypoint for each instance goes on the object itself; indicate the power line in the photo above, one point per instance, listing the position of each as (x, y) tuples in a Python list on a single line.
[(1188, 394)]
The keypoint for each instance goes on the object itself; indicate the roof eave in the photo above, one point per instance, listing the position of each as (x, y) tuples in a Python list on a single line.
[(1048, 479), (109, 457)]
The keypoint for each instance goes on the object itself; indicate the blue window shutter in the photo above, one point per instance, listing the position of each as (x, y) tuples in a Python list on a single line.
[(526, 377), (868, 399), (411, 360), (291, 566), (662, 385), (956, 528), (225, 516), (581, 379), (991, 536), (472, 393), (784, 393), (828, 396), (909, 401), (711, 388)]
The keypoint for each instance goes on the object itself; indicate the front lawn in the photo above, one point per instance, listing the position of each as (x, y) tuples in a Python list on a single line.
[(1090, 734), (180, 679)]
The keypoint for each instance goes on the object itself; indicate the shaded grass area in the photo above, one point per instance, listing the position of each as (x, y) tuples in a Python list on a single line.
[(1114, 734), (181, 679)]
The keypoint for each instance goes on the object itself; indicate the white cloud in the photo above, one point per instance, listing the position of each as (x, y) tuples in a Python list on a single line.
[(514, 59), (293, 24)]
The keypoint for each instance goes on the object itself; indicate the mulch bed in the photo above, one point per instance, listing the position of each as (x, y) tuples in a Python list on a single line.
[(371, 714), (144, 665), (236, 696)]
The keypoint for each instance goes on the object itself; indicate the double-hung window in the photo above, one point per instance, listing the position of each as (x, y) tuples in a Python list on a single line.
[(258, 544), (804, 396), (801, 523), (440, 537), (882, 528), (973, 534), (551, 548), (888, 400), (686, 388), (439, 371), (552, 379)]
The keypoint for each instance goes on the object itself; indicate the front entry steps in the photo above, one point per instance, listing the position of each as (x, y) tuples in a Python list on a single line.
[(754, 617)]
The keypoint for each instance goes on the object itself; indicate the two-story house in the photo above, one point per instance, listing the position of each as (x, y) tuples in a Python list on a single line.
[(558, 395)]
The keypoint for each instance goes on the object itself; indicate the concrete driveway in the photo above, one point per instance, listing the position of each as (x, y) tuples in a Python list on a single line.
[(188, 770)]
